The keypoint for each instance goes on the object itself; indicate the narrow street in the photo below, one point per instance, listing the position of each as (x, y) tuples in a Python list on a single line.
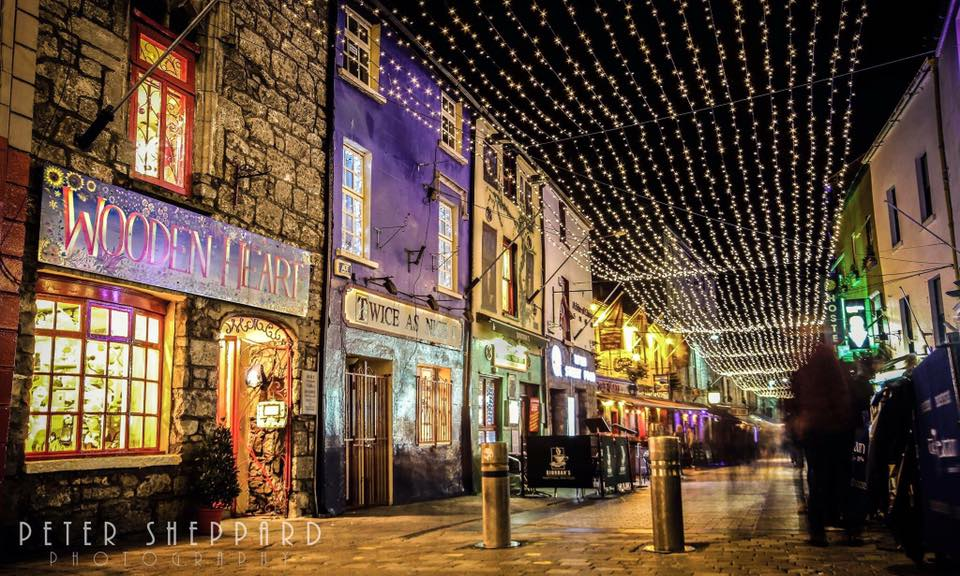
[(742, 520)]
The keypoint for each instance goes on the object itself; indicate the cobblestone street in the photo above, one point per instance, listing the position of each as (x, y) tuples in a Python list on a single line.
[(742, 520)]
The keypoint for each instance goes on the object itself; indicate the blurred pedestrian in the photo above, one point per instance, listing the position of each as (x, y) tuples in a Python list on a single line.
[(823, 425)]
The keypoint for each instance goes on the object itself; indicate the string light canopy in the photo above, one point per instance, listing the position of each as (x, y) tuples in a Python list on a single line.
[(715, 132)]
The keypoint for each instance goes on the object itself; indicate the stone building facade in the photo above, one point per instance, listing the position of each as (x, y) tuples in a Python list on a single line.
[(252, 160)]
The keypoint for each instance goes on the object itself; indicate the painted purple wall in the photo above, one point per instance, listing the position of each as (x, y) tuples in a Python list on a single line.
[(402, 136)]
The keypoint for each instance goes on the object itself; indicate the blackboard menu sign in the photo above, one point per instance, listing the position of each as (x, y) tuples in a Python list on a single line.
[(615, 460), (559, 462)]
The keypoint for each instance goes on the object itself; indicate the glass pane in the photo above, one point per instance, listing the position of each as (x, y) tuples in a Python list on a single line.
[(66, 355), (153, 331), (140, 327), (40, 394), (173, 64), (92, 432), (136, 395), (136, 432), (68, 316), (174, 138), (36, 434), (153, 364), (63, 397), (119, 358), (94, 393), (113, 433), (96, 357), (44, 317), (150, 432), (119, 323), (139, 362), (99, 320), (147, 153), (62, 433), (43, 348), (116, 395), (151, 399)]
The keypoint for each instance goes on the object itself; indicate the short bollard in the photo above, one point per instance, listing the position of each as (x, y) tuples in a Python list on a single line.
[(665, 498), (495, 482)]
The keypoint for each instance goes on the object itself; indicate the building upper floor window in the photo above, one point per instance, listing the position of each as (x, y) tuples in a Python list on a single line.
[(894, 216), (434, 405), (161, 110), (923, 187), (97, 378), (562, 222), (906, 323), (451, 125), (355, 203), (361, 51), (447, 246), (508, 278), (936, 311), (510, 175), (491, 166), (565, 308)]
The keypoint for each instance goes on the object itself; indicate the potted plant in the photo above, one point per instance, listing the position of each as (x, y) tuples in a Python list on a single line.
[(216, 479)]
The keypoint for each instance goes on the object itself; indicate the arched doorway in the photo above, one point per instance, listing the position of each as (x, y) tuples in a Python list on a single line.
[(255, 402)]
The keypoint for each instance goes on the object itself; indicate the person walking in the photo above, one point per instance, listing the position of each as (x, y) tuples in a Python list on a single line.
[(823, 424)]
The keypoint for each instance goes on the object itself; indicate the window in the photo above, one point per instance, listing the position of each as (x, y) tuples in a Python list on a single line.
[(355, 193), (923, 188), (434, 405), (936, 311), (527, 188), (361, 51), (447, 246), (510, 176), (451, 124), (906, 323), (508, 279), (565, 308), (491, 166), (96, 378), (488, 256), (161, 110), (562, 221), (894, 216), (528, 272)]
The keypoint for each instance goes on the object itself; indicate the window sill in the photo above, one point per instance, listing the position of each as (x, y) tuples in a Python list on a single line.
[(341, 253), (453, 153), (362, 87), (451, 293), (103, 463)]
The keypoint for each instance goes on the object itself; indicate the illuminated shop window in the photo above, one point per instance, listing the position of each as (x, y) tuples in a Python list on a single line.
[(434, 405), (161, 113), (447, 246), (96, 378)]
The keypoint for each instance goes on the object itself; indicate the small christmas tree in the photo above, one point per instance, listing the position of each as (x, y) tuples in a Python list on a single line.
[(217, 484)]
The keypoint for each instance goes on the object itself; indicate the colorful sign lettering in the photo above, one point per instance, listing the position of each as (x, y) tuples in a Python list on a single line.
[(372, 311), (104, 229)]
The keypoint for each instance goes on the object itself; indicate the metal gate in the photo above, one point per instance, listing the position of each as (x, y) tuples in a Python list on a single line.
[(368, 437)]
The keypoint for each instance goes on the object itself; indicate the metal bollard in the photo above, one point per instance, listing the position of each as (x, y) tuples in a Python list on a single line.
[(665, 497), (495, 481)]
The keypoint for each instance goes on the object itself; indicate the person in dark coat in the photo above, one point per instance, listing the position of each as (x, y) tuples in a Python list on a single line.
[(823, 424)]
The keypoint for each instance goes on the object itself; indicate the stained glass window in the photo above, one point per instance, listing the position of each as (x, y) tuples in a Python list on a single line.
[(162, 114), (97, 378)]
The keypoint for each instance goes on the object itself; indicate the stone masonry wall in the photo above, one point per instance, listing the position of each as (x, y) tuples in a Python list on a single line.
[(260, 107)]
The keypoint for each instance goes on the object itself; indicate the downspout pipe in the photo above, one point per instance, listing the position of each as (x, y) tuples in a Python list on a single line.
[(934, 62)]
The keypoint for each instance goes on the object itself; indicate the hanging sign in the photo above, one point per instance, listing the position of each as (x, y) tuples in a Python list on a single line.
[(104, 229), (503, 354), (379, 313)]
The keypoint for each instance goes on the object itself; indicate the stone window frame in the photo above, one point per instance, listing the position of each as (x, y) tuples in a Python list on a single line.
[(142, 24), (434, 412), (88, 293)]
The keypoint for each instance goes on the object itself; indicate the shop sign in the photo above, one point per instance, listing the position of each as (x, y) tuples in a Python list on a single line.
[(613, 387), (96, 227), (559, 462), (579, 370), (372, 311), (503, 354)]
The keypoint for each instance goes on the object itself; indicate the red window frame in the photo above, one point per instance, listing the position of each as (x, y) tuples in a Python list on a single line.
[(87, 295), (142, 24)]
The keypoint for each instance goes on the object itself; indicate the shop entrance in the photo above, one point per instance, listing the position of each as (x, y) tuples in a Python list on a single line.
[(368, 436), (255, 402)]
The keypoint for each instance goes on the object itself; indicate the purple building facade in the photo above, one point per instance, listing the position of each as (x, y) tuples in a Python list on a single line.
[(393, 392)]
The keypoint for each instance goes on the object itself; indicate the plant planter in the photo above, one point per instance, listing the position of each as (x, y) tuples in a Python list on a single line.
[(206, 516)]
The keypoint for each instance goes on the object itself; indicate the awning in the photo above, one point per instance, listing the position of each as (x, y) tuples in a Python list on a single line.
[(652, 402)]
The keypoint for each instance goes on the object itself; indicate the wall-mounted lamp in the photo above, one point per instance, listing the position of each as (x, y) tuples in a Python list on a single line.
[(385, 281), (430, 300)]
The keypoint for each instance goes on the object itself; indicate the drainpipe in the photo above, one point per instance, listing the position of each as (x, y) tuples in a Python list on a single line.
[(944, 171), (320, 450)]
